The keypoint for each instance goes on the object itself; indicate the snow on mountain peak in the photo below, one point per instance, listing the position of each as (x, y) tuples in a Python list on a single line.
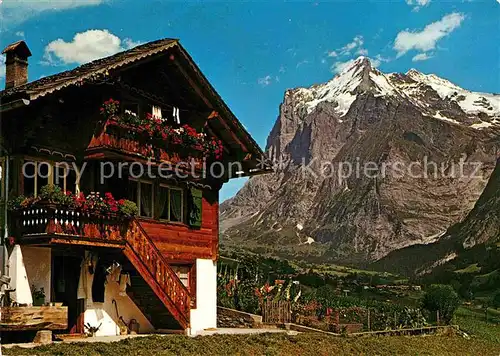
[(358, 76), (341, 90), (470, 102)]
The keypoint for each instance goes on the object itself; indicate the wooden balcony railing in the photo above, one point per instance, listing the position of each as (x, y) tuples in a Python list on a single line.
[(154, 268), (56, 223), (51, 220), (116, 137)]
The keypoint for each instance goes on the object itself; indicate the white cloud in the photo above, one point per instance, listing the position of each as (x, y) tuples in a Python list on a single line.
[(426, 39), (2, 66), (283, 69), (305, 61), (19, 33), (129, 43), (265, 81), (356, 43), (421, 57), (379, 59), (375, 62), (362, 52), (338, 67), (85, 47), (16, 11), (418, 3)]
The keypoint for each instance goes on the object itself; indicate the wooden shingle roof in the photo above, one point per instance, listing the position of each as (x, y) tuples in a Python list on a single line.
[(52, 83)]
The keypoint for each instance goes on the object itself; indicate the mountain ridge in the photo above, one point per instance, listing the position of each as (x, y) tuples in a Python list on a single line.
[(364, 116)]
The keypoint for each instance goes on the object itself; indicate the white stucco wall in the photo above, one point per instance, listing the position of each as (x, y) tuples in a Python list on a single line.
[(38, 264), (19, 278), (205, 314), (105, 313)]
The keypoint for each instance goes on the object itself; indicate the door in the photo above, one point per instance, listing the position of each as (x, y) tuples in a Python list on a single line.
[(66, 275)]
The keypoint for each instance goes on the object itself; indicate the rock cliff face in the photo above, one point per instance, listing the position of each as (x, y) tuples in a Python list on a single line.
[(472, 240), (366, 164)]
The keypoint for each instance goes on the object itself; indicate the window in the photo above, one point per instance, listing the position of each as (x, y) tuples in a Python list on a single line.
[(141, 192), (35, 176), (65, 178), (170, 203), (132, 107), (183, 273)]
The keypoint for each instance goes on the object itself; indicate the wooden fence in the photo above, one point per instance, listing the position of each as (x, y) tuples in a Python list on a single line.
[(279, 312)]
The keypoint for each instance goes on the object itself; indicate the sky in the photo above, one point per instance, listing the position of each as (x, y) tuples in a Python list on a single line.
[(253, 51)]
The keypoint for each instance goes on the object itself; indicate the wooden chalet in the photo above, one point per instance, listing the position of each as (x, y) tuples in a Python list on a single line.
[(127, 249)]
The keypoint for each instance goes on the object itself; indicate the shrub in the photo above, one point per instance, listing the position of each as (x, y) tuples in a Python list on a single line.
[(495, 302), (128, 207), (442, 298), (54, 194), (16, 203)]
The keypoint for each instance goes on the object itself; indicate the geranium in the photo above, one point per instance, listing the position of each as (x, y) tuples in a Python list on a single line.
[(110, 107), (157, 128), (93, 203)]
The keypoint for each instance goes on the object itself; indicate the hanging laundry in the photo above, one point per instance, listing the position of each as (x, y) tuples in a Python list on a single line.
[(87, 268), (114, 272), (175, 114), (124, 282), (156, 112)]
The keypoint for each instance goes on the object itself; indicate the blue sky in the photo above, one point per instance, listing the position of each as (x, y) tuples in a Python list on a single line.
[(253, 51)]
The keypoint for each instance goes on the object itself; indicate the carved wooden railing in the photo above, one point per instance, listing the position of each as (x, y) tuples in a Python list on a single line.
[(117, 137), (154, 268), (52, 219)]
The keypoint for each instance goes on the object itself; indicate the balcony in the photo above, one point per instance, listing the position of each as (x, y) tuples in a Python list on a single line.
[(116, 138), (56, 224)]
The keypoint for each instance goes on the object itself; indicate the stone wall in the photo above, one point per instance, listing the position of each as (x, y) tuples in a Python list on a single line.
[(230, 318)]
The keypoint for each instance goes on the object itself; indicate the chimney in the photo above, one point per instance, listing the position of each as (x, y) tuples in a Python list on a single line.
[(16, 64)]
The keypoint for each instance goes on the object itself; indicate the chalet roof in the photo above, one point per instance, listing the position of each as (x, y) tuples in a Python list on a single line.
[(51, 84)]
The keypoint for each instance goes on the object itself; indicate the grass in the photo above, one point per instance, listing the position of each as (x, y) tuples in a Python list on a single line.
[(473, 268), (474, 322), (272, 344), (343, 271)]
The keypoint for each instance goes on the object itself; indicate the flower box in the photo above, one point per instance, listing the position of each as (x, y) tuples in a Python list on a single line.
[(151, 130)]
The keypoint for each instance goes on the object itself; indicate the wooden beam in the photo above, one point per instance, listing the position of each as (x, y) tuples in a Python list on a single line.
[(191, 82), (33, 318), (47, 240), (228, 129)]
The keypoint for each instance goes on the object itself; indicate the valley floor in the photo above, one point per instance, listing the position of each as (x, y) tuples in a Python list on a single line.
[(273, 344)]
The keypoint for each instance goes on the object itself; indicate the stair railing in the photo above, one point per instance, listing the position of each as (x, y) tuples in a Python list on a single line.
[(159, 269)]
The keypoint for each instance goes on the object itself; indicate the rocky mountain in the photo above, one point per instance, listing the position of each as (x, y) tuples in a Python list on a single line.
[(471, 241), (366, 164)]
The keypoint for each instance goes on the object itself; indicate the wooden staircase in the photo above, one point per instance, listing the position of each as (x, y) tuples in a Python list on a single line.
[(154, 284)]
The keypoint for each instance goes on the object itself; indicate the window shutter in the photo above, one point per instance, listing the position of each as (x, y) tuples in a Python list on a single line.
[(195, 207)]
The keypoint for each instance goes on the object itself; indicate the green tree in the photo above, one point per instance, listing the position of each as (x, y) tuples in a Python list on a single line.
[(495, 302), (442, 298)]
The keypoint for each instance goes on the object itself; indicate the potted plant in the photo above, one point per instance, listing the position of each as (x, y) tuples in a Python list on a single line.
[(38, 296)]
